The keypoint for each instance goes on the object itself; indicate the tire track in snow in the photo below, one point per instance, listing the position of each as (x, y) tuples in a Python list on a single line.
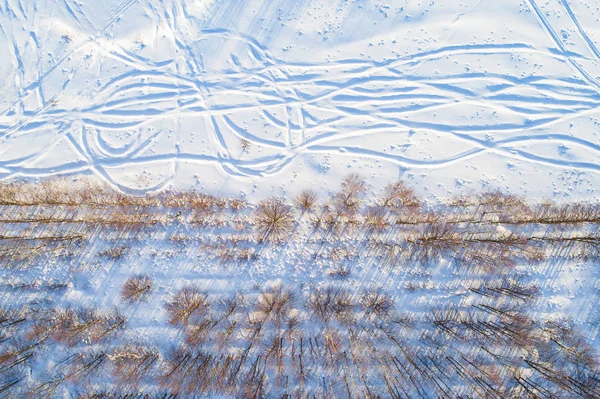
[(550, 31), (340, 86), (590, 44)]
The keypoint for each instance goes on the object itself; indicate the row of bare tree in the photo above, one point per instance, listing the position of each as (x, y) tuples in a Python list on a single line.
[(327, 342)]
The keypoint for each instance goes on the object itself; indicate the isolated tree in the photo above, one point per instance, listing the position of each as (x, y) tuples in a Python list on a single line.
[(348, 199)]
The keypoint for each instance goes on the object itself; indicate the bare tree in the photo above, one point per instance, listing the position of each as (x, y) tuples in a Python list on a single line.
[(273, 219), (187, 302), (132, 362), (376, 303), (274, 302), (397, 196), (376, 218), (306, 200), (135, 288), (348, 200), (331, 303)]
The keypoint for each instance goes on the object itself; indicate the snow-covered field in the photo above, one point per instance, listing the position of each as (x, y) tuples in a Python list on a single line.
[(448, 95), (162, 136)]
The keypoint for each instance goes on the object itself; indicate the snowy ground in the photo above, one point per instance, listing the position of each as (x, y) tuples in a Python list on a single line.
[(448, 95)]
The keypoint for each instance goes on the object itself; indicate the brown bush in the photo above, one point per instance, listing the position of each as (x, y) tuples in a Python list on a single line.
[(237, 204), (114, 253)]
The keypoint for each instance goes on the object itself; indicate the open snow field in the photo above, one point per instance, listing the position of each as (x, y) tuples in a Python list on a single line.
[(156, 241), (448, 95)]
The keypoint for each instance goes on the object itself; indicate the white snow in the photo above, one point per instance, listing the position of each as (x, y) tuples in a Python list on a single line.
[(451, 96)]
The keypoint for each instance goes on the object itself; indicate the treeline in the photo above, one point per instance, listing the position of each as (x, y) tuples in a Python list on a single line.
[(492, 229)]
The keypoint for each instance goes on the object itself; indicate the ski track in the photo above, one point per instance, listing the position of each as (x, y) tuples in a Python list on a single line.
[(361, 98)]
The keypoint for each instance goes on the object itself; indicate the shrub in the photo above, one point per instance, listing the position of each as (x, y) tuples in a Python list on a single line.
[(238, 204), (114, 253)]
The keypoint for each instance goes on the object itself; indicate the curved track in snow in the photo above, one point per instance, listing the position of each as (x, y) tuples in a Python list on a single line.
[(132, 117)]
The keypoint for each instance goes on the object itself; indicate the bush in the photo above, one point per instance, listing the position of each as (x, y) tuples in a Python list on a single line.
[(114, 253)]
